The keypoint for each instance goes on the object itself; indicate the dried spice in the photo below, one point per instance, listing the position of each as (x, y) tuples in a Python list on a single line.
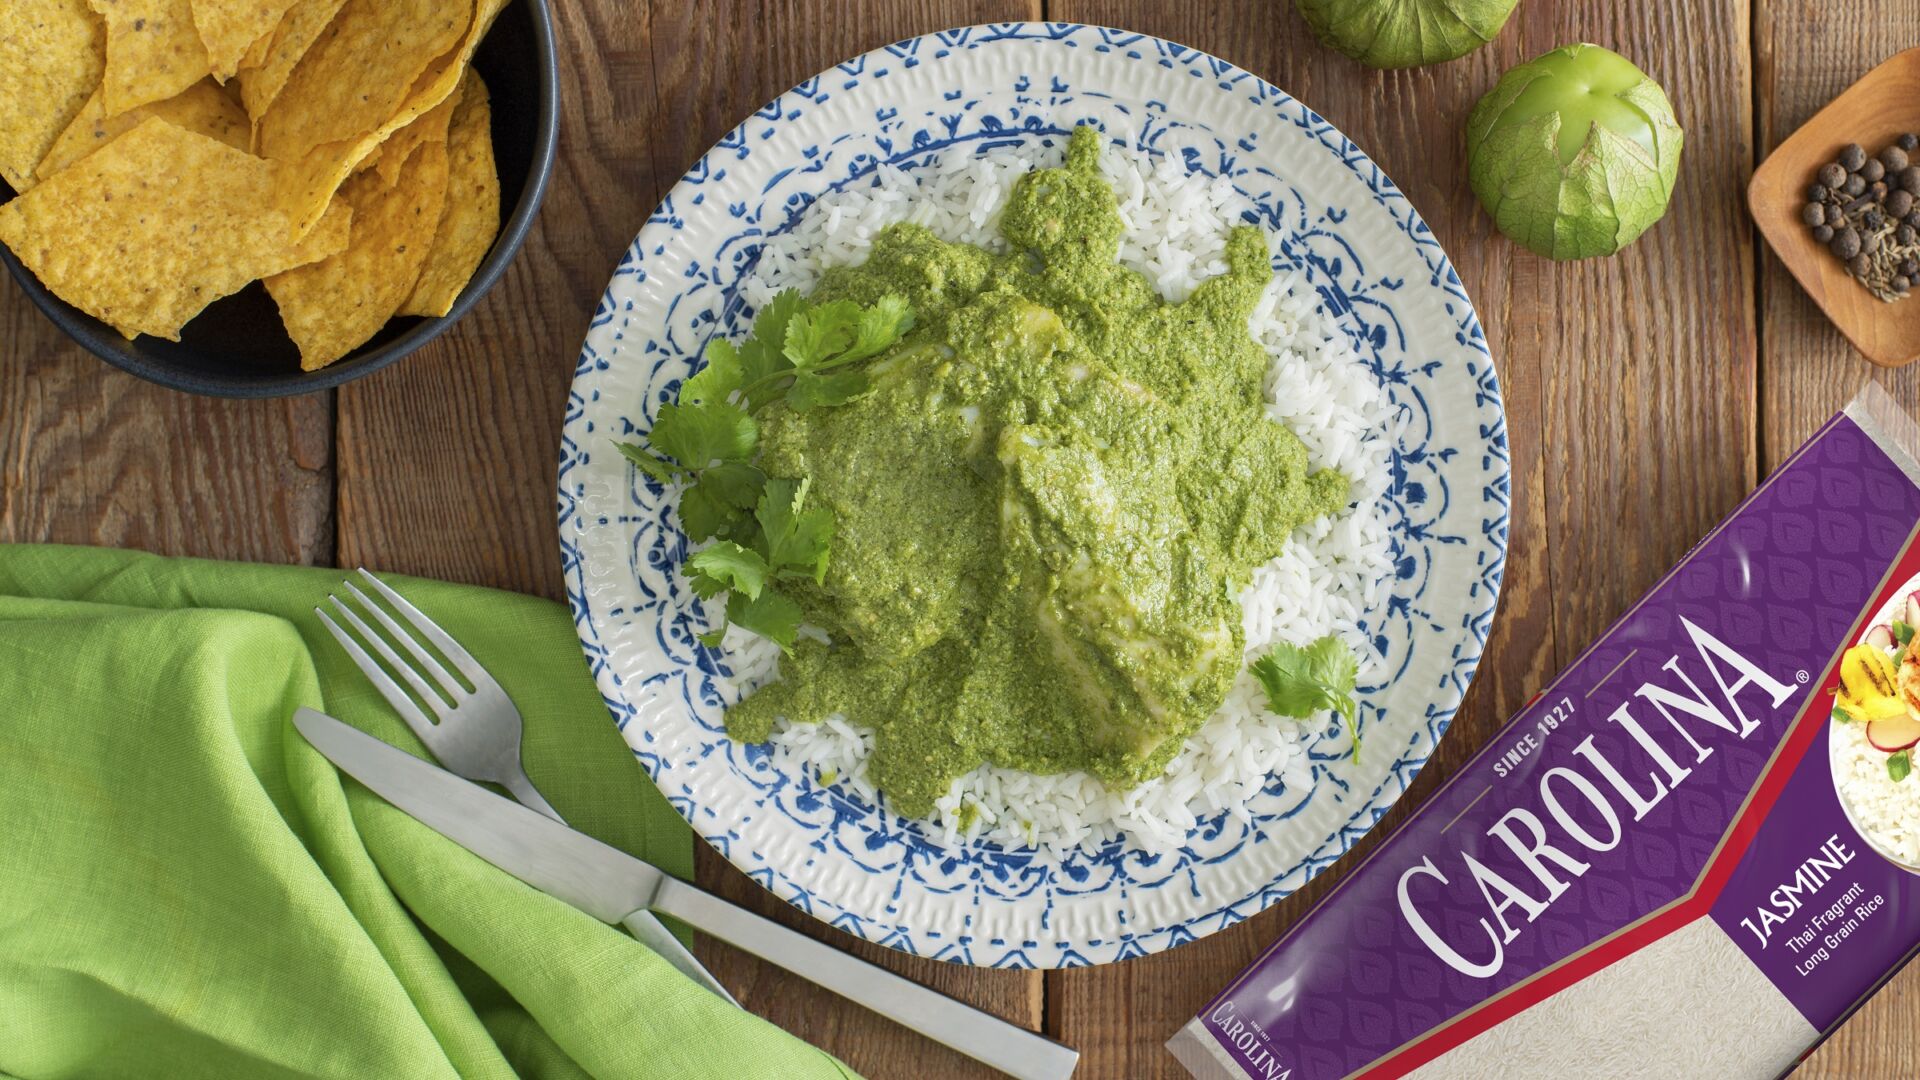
[(1865, 209)]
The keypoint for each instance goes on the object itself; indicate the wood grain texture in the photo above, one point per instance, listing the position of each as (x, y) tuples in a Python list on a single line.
[(1644, 394), (1608, 439), (91, 455), (1804, 55)]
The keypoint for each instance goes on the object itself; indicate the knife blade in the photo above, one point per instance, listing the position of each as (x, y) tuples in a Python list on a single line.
[(597, 878), (609, 884)]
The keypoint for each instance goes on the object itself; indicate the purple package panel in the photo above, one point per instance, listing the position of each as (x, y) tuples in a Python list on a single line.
[(1695, 853)]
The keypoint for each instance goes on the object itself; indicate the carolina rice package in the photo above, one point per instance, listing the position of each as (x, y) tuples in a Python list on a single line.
[(1693, 855)]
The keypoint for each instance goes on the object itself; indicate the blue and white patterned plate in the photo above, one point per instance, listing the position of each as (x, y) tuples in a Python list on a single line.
[(1377, 270)]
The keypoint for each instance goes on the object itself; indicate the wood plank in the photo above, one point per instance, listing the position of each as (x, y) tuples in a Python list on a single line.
[(1805, 54), (1602, 430), (446, 460), (91, 455)]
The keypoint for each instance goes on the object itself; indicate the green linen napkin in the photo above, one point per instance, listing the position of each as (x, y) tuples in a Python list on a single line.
[(188, 889)]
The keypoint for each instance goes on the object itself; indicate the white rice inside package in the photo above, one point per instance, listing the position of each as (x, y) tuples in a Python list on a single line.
[(1694, 854)]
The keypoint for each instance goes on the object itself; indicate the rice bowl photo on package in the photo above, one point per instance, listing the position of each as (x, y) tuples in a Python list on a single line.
[(1876, 724)]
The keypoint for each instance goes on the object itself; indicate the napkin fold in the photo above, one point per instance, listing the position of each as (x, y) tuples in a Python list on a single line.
[(188, 889)]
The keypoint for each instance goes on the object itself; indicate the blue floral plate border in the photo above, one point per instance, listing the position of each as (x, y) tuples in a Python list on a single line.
[(1376, 270)]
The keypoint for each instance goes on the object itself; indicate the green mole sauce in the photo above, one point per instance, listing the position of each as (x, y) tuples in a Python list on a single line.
[(1046, 509)]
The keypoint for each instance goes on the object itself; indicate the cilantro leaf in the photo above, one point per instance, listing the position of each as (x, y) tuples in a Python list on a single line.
[(721, 376), (771, 615), (720, 503), (821, 332), (733, 484), (697, 435), (810, 391), (702, 517), (1900, 765), (1842, 715), (663, 471), (1300, 682), (795, 535), (727, 565), (765, 352), (878, 327), (1902, 633)]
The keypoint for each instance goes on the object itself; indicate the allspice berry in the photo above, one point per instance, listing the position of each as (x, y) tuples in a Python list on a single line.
[(1846, 243), (1852, 157), (1893, 158), (1910, 180), (1832, 176), (1899, 203), (1856, 185), (1859, 265), (1823, 233), (1874, 170)]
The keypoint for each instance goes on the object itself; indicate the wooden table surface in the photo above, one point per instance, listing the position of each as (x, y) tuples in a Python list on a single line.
[(1645, 394)]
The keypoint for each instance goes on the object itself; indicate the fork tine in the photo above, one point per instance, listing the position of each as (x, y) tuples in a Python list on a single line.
[(450, 687), (441, 640), (389, 689), (431, 700)]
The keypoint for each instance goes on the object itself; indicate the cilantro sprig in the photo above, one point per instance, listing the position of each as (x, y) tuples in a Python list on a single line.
[(1303, 682), (764, 533)]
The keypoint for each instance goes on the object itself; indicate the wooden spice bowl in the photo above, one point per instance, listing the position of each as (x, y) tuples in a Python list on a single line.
[(1872, 112)]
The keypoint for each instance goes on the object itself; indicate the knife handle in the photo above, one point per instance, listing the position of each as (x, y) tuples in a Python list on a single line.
[(985, 1038)]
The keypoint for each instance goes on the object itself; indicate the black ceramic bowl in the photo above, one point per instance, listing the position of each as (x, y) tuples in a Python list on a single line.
[(237, 347)]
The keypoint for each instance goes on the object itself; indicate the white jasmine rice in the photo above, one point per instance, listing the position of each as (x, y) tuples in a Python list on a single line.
[(1885, 809), (1331, 572)]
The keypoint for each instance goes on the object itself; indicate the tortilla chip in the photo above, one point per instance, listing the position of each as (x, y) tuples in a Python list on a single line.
[(229, 27), (153, 51), (357, 76), (333, 306), (315, 177), (324, 240), (442, 77), (256, 53), (391, 156), (266, 76), (51, 56), (152, 227), (203, 107), (470, 216)]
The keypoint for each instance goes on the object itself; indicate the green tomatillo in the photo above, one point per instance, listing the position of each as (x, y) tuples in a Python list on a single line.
[(1575, 153), (1406, 33)]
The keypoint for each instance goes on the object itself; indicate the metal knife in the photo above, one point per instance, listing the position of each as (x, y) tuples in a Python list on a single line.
[(609, 884)]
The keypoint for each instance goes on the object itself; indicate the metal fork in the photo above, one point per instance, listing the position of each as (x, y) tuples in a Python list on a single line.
[(474, 730)]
